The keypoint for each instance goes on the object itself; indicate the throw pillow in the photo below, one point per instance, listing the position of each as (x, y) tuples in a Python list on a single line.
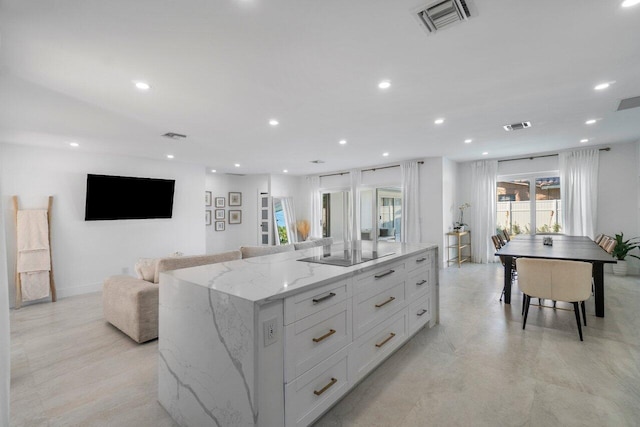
[(146, 269)]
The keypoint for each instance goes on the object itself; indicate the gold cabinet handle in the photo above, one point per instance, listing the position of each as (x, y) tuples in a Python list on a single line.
[(420, 283), (325, 388), (386, 273), (386, 340), (329, 295), (386, 302), (421, 259), (421, 312), (327, 335)]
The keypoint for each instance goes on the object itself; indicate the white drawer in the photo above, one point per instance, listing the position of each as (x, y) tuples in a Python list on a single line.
[(422, 260), (418, 283), (374, 346), (307, 303), (419, 313), (309, 395), (379, 278), (369, 310), (314, 338)]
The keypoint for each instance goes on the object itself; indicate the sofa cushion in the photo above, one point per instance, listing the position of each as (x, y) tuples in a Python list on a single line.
[(176, 263), (146, 269), (253, 251), (325, 241)]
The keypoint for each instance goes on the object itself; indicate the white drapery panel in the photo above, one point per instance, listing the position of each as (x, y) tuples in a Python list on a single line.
[(5, 366), (352, 230), (290, 218), (483, 223), (410, 217), (313, 186), (579, 191)]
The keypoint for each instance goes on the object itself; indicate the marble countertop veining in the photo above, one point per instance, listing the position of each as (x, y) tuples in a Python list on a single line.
[(266, 278)]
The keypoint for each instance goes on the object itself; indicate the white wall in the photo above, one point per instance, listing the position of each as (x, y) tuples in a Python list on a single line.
[(84, 253), (5, 341), (431, 197), (235, 235), (450, 210)]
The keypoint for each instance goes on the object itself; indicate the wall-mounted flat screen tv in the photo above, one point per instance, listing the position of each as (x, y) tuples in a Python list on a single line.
[(125, 197)]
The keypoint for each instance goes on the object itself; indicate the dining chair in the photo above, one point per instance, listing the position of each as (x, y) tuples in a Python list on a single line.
[(498, 244), (610, 246), (568, 281), (598, 238), (507, 236), (603, 242)]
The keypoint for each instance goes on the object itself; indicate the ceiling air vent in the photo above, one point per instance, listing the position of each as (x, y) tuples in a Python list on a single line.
[(317, 161), (174, 135), (441, 14), (625, 104), (517, 126)]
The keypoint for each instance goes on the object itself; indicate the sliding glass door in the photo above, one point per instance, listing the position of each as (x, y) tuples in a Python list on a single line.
[(380, 214)]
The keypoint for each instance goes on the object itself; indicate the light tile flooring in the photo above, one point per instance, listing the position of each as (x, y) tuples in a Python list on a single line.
[(478, 367)]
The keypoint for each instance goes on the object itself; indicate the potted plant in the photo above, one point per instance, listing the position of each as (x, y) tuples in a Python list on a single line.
[(620, 252), (460, 225)]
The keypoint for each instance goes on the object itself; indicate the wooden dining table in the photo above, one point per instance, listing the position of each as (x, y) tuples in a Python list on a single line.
[(571, 248)]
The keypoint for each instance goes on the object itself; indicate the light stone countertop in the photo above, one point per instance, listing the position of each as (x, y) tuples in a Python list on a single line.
[(267, 278)]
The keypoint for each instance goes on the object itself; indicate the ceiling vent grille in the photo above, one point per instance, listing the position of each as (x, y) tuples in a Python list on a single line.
[(625, 104), (517, 126), (174, 135), (441, 14)]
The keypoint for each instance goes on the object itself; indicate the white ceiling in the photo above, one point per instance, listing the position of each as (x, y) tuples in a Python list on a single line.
[(220, 70)]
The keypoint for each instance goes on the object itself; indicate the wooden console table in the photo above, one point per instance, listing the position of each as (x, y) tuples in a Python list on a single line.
[(461, 246)]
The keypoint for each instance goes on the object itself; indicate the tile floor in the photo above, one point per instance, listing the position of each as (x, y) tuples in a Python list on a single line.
[(70, 368)]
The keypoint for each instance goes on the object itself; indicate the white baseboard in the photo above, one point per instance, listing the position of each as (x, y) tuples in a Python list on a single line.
[(79, 290)]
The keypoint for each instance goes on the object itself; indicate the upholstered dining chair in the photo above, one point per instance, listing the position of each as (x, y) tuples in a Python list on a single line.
[(498, 244), (603, 242), (598, 238), (506, 234), (568, 281), (610, 246)]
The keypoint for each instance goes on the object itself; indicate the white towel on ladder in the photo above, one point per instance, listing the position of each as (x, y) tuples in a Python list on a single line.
[(34, 259)]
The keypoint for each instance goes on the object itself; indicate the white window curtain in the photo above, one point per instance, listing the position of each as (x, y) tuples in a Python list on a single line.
[(410, 218), (289, 212), (483, 207), (313, 186), (352, 230), (5, 366), (579, 191)]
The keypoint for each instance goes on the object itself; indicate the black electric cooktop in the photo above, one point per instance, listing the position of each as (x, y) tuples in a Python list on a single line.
[(345, 258)]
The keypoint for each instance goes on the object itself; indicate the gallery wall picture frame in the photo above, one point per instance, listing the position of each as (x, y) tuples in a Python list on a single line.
[(235, 198), (219, 225), (207, 198), (207, 217), (219, 202), (219, 214), (235, 217)]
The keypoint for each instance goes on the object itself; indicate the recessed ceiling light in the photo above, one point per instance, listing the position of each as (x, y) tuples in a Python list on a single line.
[(385, 84), (237, 165), (274, 122), (143, 85), (602, 86), (629, 3), (213, 171), (439, 121), (74, 144), (170, 156), (468, 141), (584, 140), (284, 170), (385, 154), (343, 141), (485, 153), (590, 121)]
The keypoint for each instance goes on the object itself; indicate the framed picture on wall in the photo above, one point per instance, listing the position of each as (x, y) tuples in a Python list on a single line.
[(235, 217), (207, 217), (219, 202), (207, 198), (219, 225), (219, 214), (235, 199)]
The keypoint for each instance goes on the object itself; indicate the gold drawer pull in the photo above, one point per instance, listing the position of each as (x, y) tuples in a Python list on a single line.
[(327, 335), (317, 300), (420, 283), (421, 312), (325, 388), (421, 259), (386, 302), (386, 273), (386, 340)]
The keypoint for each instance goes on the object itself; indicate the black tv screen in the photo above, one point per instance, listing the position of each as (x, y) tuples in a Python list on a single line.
[(125, 197)]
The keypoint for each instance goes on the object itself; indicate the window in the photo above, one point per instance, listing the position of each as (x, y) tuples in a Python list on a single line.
[(529, 204)]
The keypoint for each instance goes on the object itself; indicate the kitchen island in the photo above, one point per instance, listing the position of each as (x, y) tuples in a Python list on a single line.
[(277, 340)]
